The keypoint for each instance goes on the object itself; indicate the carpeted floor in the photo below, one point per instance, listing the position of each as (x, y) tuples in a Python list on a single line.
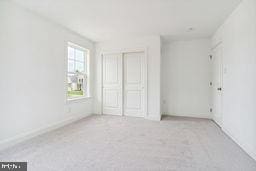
[(124, 143)]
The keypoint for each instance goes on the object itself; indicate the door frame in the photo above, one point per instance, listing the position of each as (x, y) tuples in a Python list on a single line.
[(218, 45), (132, 50)]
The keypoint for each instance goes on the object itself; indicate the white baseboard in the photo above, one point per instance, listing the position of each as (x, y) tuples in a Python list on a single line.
[(97, 113), (149, 117), (28, 135), (153, 118), (204, 116), (243, 145)]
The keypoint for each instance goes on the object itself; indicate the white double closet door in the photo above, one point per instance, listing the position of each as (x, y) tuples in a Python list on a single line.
[(124, 81)]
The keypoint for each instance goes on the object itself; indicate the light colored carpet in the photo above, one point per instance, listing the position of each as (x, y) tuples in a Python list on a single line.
[(124, 143)]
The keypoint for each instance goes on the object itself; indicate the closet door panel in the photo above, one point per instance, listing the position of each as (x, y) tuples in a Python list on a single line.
[(133, 84), (112, 84)]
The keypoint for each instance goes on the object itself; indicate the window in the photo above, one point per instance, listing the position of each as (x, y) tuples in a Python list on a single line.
[(78, 72)]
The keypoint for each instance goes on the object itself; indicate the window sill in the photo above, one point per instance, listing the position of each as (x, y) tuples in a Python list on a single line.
[(78, 99)]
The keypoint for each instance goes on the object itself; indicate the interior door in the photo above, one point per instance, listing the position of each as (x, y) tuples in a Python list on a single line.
[(134, 91), (112, 84), (217, 85)]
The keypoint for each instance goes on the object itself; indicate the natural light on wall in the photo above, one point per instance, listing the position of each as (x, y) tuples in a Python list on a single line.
[(78, 72)]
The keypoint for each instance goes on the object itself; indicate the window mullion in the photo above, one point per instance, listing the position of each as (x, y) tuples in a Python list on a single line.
[(74, 60)]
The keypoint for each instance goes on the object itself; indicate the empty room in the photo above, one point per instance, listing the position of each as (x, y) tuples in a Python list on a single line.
[(128, 85)]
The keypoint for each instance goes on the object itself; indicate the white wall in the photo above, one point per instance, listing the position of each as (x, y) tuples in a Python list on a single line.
[(152, 43), (33, 55), (238, 36), (186, 75)]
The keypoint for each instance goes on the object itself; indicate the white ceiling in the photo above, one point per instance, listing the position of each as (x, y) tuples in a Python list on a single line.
[(101, 20)]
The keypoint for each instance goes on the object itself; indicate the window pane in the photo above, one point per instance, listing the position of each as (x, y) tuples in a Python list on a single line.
[(71, 53), (71, 66), (79, 55), (75, 85), (77, 66), (80, 66)]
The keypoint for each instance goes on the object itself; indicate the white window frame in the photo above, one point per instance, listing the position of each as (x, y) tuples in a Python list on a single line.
[(86, 73)]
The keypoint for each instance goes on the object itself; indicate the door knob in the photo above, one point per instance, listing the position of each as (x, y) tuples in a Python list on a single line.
[(219, 88)]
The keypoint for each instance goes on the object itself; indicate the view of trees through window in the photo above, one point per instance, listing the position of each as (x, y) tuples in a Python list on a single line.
[(77, 75)]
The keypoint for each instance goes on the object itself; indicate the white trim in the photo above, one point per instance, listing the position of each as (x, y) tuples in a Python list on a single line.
[(153, 118), (218, 120), (76, 46), (28, 135), (146, 82), (122, 83), (203, 116), (101, 85), (129, 50), (78, 99), (245, 147)]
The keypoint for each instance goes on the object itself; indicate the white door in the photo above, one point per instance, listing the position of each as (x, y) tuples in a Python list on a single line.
[(112, 84), (217, 85), (134, 82)]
